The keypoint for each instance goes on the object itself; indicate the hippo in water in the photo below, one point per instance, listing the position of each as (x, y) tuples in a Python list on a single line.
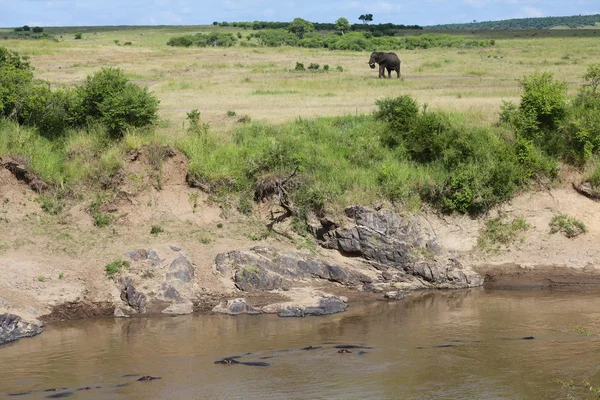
[(148, 378)]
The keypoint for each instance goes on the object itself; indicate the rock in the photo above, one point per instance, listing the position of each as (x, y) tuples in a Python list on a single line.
[(123, 312), (13, 327), (175, 248), (396, 295), (398, 247), (266, 268), (586, 189), (235, 307), (181, 269), (133, 298), (181, 308), (326, 305)]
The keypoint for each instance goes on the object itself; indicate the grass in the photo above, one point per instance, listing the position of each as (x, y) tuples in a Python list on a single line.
[(499, 232), (115, 267), (323, 124), (566, 225), (156, 229)]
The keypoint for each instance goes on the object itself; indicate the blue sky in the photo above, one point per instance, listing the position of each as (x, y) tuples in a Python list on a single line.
[(199, 12)]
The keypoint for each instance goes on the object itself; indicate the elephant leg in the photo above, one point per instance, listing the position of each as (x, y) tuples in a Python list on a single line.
[(382, 71), (389, 73)]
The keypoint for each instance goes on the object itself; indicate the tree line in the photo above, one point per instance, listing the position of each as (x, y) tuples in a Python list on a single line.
[(575, 21)]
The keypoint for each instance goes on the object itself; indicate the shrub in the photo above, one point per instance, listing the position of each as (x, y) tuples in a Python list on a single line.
[(37, 29), (339, 68), (156, 229), (299, 67), (133, 106), (569, 226), (115, 267), (326, 67), (78, 36), (497, 231), (230, 113), (313, 66), (401, 113)]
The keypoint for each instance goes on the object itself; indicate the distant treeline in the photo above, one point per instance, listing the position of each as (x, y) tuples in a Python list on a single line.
[(575, 21), (388, 29), (356, 41)]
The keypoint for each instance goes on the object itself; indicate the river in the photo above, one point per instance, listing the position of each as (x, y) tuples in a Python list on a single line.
[(483, 355)]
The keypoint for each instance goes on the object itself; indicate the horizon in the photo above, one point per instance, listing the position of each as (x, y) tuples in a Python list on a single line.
[(75, 13)]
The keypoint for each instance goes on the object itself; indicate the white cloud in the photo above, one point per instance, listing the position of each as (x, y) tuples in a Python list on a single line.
[(531, 11)]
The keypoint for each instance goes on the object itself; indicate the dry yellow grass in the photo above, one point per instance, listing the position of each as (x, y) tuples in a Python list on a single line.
[(261, 83)]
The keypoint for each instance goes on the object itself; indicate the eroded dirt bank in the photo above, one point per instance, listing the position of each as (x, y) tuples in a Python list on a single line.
[(54, 267)]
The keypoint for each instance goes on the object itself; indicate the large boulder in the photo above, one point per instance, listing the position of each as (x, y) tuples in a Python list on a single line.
[(13, 327), (267, 268), (160, 280), (302, 303), (407, 256)]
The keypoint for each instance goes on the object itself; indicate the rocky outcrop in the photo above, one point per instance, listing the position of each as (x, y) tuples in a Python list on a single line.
[(405, 254), (157, 281), (302, 303), (267, 268), (13, 327)]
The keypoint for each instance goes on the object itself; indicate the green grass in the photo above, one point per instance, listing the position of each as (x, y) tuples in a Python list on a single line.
[(568, 226), (156, 229), (498, 232), (115, 267)]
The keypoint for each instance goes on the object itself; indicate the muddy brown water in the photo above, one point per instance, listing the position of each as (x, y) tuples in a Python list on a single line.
[(480, 353)]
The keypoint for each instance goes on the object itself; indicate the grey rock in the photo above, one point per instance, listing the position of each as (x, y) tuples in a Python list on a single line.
[(398, 247), (326, 305), (235, 307), (180, 308), (13, 327), (175, 248), (181, 269), (266, 268), (132, 297), (394, 295), (172, 294)]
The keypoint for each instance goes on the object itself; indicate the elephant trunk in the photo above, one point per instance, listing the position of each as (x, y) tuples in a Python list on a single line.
[(372, 65)]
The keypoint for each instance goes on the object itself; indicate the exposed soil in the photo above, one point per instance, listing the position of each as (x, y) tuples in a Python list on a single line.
[(53, 267)]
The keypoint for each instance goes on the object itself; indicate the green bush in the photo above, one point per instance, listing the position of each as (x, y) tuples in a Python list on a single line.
[(401, 113), (213, 39), (569, 226), (131, 107), (299, 67), (115, 267)]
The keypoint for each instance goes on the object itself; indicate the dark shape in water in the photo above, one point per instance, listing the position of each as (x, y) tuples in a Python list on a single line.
[(19, 394), (256, 363), (60, 395), (441, 346), (227, 361), (351, 346), (265, 357), (310, 348), (129, 375), (344, 351), (55, 389), (528, 338), (89, 388), (419, 348), (360, 353), (148, 378), (120, 385)]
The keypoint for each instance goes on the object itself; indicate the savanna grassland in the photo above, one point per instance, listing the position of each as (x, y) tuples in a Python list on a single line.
[(260, 81), (261, 119)]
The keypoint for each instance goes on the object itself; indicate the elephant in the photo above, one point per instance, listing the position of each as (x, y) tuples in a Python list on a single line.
[(389, 61)]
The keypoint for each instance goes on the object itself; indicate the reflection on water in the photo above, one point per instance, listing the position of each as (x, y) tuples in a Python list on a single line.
[(433, 345)]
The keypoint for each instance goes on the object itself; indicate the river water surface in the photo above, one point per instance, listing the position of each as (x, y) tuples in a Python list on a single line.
[(484, 355)]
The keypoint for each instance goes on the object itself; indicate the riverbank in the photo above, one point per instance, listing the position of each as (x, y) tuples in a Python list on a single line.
[(55, 266)]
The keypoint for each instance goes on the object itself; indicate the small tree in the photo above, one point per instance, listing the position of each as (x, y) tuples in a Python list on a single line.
[(37, 29), (366, 18), (300, 26), (592, 77), (342, 25), (78, 35), (26, 28)]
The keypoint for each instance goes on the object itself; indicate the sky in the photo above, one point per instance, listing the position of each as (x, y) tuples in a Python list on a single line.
[(15, 13)]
